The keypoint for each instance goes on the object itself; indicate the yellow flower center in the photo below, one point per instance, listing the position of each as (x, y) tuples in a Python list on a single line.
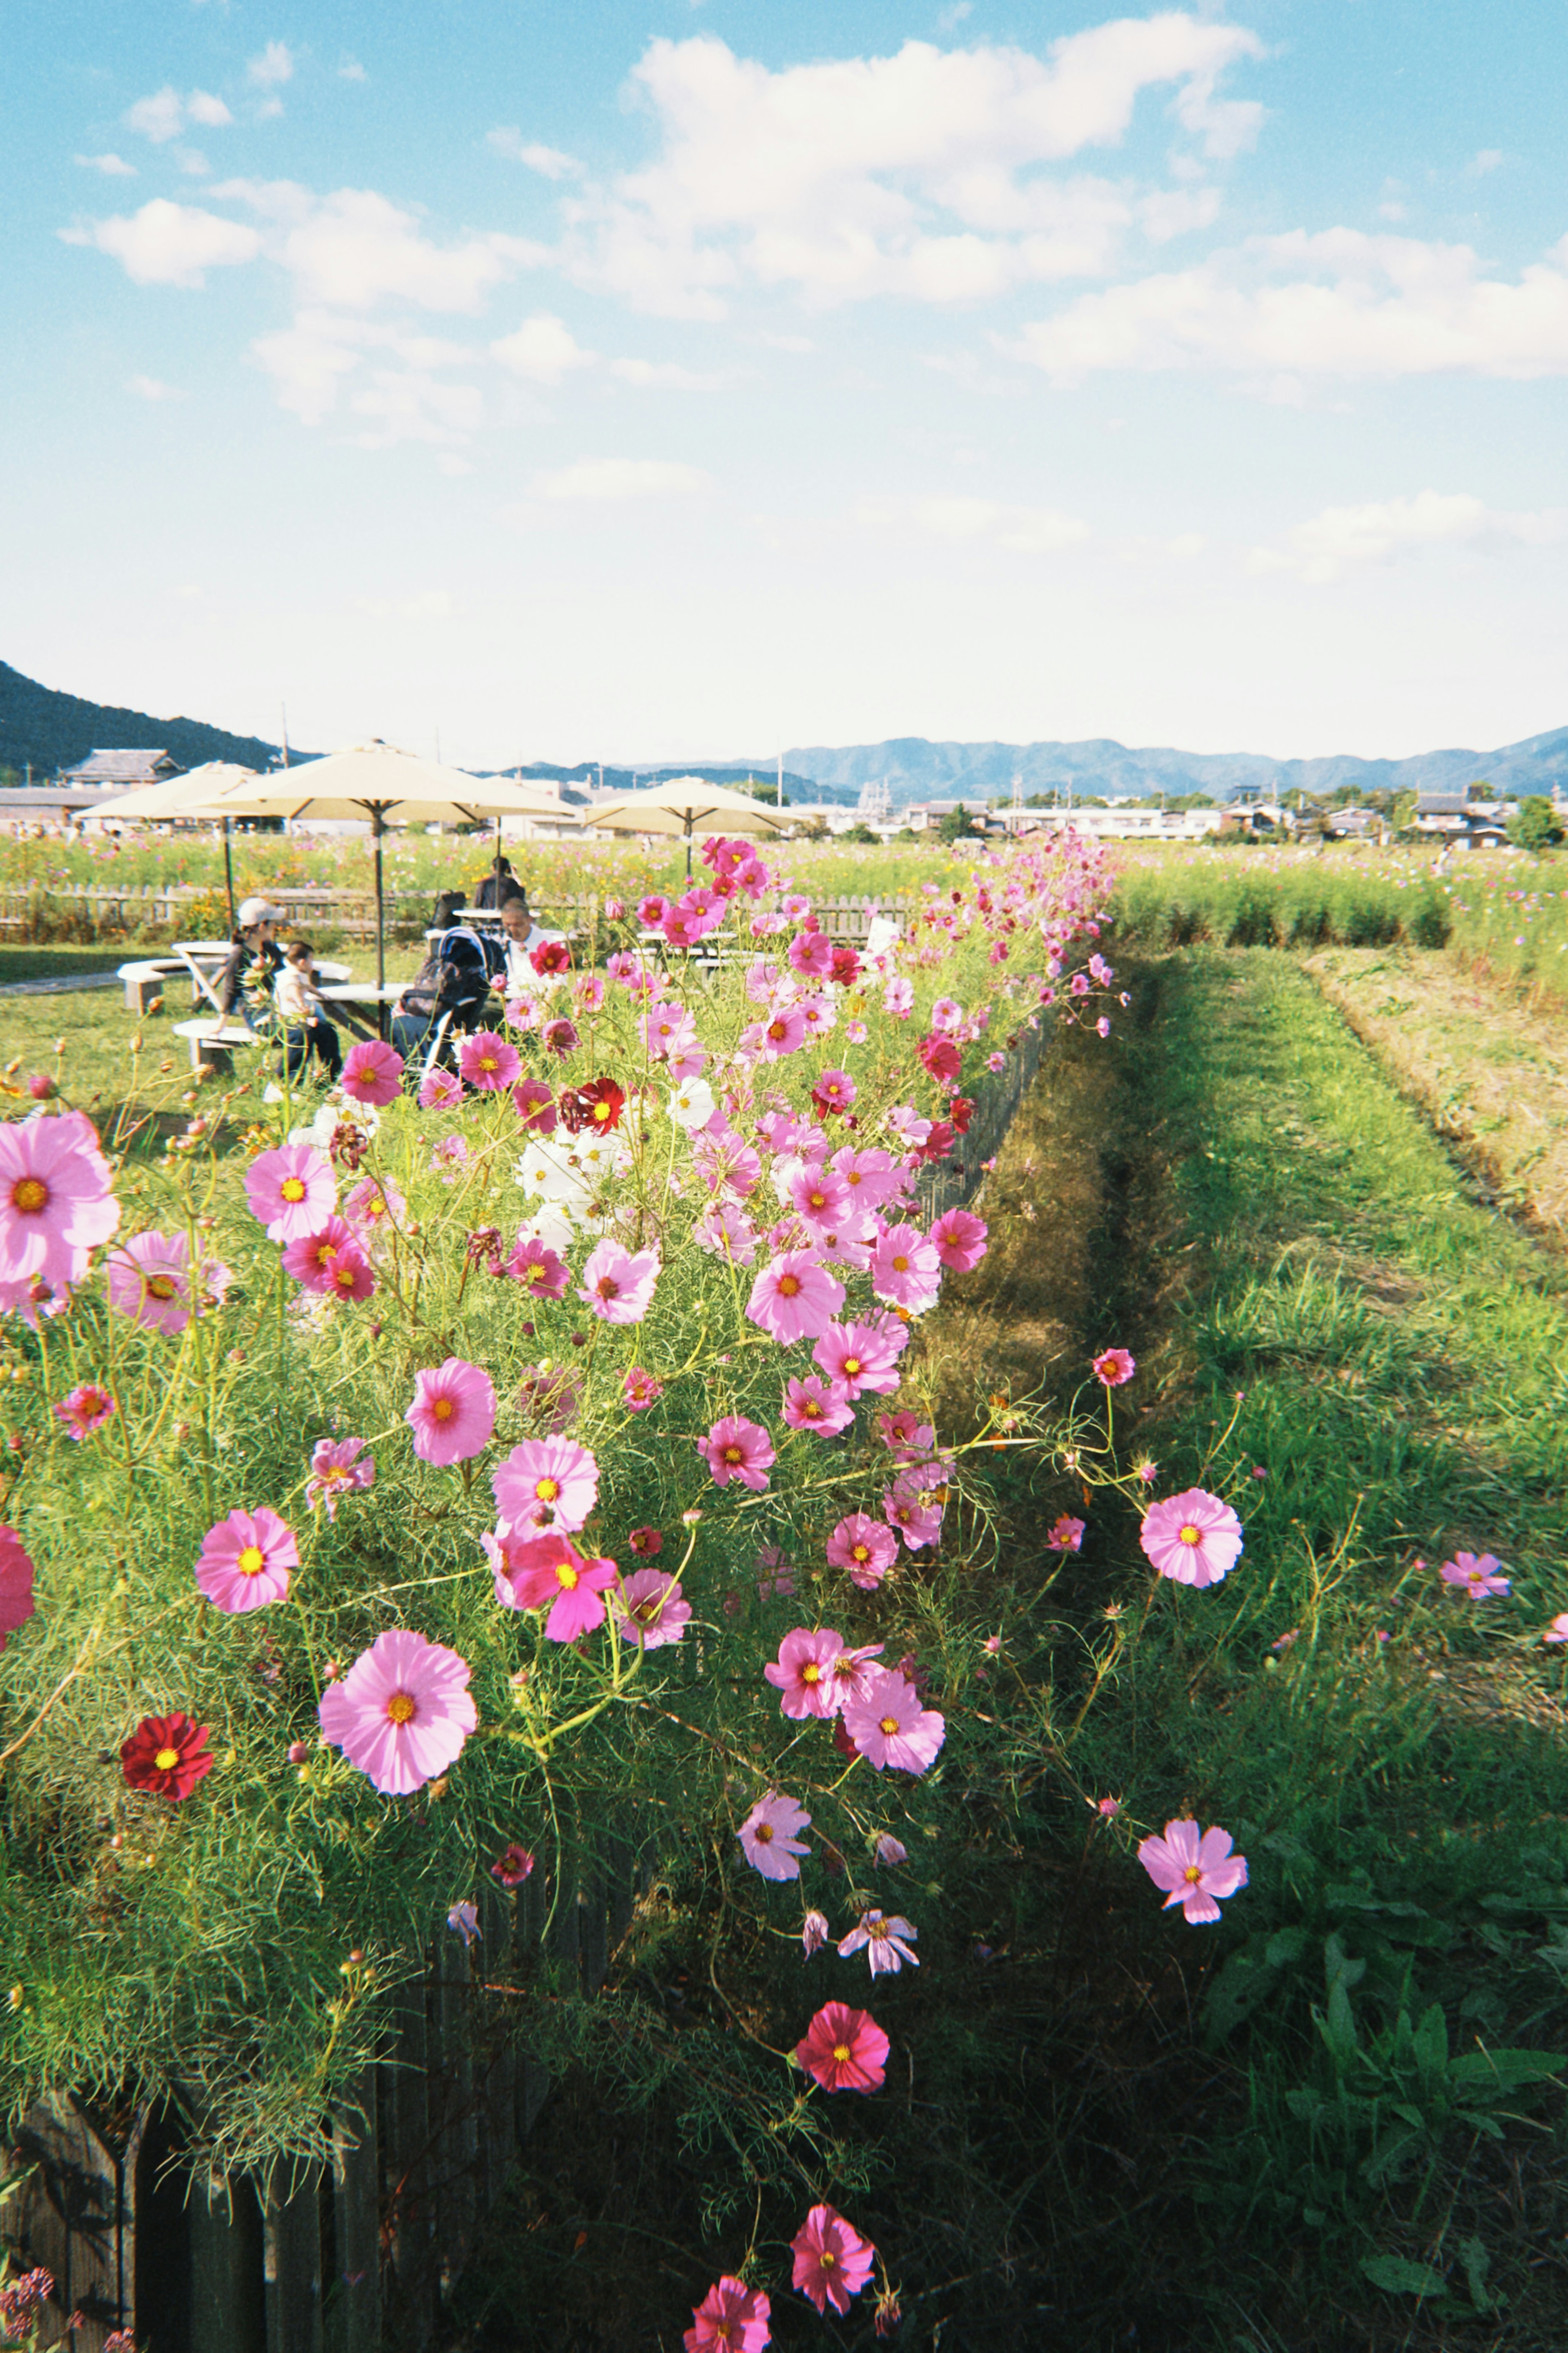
[(252, 1561), (841, 2052), (607, 1287), (292, 1188), (788, 1285), (162, 1286), (825, 2259), (443, 1408), (811, 1672), (29, 1194), (601, 1111), (402, 1707), (818, 1201), (489, 1063), (733, 1455), (547, 1490), (762, 1834), (860, 1552), (1192, 1874), (877, 1930), (566, 1575), (890, 1725), (852, 1366), (166, 1760), (1189, 1534), (901, 1265)]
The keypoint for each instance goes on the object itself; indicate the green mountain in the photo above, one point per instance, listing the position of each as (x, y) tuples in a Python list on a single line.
[(50, 731)]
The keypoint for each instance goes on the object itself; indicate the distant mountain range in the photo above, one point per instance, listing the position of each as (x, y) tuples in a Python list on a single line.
[(49, 731)]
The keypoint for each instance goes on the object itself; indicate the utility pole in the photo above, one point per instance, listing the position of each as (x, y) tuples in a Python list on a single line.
[(283, 715), (781, 777)]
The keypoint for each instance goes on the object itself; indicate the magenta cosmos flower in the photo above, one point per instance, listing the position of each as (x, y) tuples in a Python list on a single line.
[(730, 2318), (1192, 1538), (768, 1837), (803, 1673), (336, 1471), (856, 1356), (888, 1726), (546, 1483), (617, 1285), (453, 1414), (291, 1191), (738, 1449), (331, 1263), (149, 1280), (402, 1713), (1480, 1578), (55, 1201), (832, 2260), (440, 1091), (815, 1404), (905, 1269), (651, 1609), (794, 1299), (84, 1409), (1067, 1535), (512, 1865), (866, 1547), (534, 1571), (245, 1561), (959, 1241), (17, 1574), (373, 1072), (1196, 1872), (844, 2049), (1112, 1367), (639, 1391), (541, 1274), (487, 1062), (885, 1939)]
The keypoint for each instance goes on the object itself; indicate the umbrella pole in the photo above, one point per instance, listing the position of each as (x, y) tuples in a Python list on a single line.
[(228, 873), (377, 830), (689, 849), (497, 859)]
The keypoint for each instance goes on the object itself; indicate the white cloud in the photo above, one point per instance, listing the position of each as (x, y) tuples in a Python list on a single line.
[(113, 167), (1487, 161), (542, 349), (274, 67), (950, 18), (601, 479), (357, 248), (351, 69), (193, 163), (166, 244), (150, 387), (668, 376), (785, 343), (165, 115), (1345, 539), (324, 363), (548, 161), (1335, 304), (914, 174), (1025, 531)]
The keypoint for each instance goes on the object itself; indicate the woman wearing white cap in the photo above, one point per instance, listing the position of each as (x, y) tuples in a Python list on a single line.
[(255, 960)]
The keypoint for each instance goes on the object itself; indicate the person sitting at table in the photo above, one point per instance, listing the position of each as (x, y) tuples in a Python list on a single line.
[(254, 959), (306, 1028), (498, 882), (521, 935), (448, 911), (456, 977)]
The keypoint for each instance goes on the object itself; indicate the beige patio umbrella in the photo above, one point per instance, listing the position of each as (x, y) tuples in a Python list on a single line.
[(196, 793), (390, 787), (686, 805)]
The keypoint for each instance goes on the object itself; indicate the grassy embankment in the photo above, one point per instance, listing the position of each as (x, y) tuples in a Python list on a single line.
[(1302, 2129)]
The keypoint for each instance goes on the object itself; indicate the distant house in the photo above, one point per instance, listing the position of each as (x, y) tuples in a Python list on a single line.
[(1352, 824), (120, 771), (1461, 823), (924, 816)]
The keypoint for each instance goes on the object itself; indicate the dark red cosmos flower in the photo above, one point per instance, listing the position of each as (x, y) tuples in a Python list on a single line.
[(166, 1755), (597, 1105), (846, 967), (550, 955), (940, 1142), (646, 1543), (961, 1111), (512, 1866), (940, 1057)]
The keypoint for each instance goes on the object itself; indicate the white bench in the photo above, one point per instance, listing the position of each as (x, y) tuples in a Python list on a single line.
[(214, 1042), (146, 979)]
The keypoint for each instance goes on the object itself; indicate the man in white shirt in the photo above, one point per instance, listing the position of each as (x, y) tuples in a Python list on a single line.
[(522, 936)]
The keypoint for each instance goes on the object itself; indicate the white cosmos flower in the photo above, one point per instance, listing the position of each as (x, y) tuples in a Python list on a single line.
[(544, 1174), (551, 1225), (691, 1104)]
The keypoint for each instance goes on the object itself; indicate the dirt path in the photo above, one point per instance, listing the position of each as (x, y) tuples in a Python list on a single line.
[(1490, 1076)]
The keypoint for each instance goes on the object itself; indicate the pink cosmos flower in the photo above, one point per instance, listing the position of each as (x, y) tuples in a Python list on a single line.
[(794, 1299), (888, 1726), (889, 1851), (820, 1196), (541, 1274), (84, 1409), (768, 1836), (815, 1404), (1067, 1535), (814, 1933), (245, 1559), (487, 1062), (531, 1571), (844, 2049), (440, 1091), (960, 1240), (292, 1191), (1113, 1367), (639, 1389), (832, 2260), (866, 1547), (535, 1106), (898, 998), (854, 1673), (57, 1201), (318, 1260), (784, 1032), (1193, 1537), (803, 1673), (512, 1865), (16, 1575), (885, 1939), (547, 1482), (149, 1280), (731, 2316), (905, 1434), (336, 1471), (651, 1610), (906, 1268), (912, 1510), (855, 1357), (1558, 1630), (738, 1449), (561, 1037), (1480, 1578), (1196, 1872), (617, 1285), (836, 1089), (402, 1713), (453, 1416), (372, 1208), (811, 954), (373, 1072)]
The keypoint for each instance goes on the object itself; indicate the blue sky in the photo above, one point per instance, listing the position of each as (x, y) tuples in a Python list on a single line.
[(660, 381)]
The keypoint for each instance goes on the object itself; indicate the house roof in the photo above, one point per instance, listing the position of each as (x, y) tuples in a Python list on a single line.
[(116, 767)]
